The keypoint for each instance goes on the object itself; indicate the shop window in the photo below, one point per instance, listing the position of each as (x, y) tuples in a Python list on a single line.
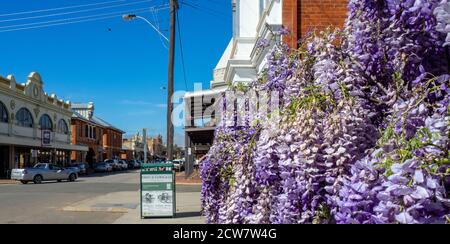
[(62, 127), (24, 118), (3, 113), (45, 123)]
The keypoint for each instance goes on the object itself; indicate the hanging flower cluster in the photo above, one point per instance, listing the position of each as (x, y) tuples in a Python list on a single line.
[(442, 13), (361, 133)]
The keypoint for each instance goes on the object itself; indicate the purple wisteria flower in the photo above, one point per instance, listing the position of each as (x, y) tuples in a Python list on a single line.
[(362, 132)]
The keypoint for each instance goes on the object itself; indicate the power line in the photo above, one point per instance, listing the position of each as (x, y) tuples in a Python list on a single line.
[(75, 12), (90, 19), (155, 18), (205, 10), (181, 52), (60, 8), (71, 19)]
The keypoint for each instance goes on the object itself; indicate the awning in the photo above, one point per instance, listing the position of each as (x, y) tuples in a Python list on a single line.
[(201, 93), (28, 142)]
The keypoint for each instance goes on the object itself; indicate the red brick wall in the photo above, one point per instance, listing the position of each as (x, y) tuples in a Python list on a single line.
[(290, 21), (303, 16), (79, 137), (112, 142)]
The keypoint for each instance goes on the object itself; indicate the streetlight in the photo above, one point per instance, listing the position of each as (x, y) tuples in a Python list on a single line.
[(131, 17), (173, 13)]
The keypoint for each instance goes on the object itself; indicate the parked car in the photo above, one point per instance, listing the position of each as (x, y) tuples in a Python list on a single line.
[(137, 164), (114, 163), (130, 164), (43, 172), (103, 167), (82, 166), (74, 169), (197, 164), (134, 164), (123, 164), (110, 167), (178, 165)]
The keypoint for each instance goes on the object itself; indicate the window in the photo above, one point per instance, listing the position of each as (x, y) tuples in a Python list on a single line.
[(62, 127), (86, 131), (45, 122), (40, 166), (24, 118), (3, 113)]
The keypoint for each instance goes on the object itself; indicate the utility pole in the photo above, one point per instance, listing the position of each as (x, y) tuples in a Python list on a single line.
[(144, 138), (170, 89)]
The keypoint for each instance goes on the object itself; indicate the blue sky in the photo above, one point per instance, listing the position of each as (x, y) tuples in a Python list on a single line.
[(120, 66)]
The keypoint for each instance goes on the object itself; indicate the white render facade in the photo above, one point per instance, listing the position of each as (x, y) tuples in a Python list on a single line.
[(25, 112), (253, 20), (241, 61)]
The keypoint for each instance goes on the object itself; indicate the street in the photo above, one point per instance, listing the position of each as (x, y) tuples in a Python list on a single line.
[(53, 202)]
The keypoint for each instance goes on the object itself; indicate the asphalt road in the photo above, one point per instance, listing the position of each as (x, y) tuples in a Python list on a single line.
[(41, 204)]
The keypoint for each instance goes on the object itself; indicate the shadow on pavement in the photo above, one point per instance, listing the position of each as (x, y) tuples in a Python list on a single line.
[(103, 174), (187, 215)]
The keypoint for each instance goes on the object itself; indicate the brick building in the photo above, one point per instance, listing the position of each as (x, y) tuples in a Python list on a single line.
[(156, 146), (103, 140), (112, 141), (303, 16), (243, 60), (133, 148), (88, 133)]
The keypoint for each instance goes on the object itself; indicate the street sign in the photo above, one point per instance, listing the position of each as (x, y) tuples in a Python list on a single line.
[(46, 138), (157, 190)]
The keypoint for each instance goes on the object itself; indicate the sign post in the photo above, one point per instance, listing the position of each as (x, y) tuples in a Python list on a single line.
[(157, 190)]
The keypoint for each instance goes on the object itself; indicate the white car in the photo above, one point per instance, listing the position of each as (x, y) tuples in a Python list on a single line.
[(114, 163), (123, 164), (178, 165), (43, 172)]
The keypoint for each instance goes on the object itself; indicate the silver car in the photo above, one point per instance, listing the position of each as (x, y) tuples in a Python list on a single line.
[(103, 167), (43, 172), (123, 165), (114, 163)]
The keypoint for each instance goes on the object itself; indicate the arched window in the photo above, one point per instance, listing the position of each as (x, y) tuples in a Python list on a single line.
[(3, 113), (45, 122), (24, 118), (62, 127)]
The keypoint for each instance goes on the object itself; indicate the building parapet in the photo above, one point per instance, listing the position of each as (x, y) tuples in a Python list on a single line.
[(33, 89)]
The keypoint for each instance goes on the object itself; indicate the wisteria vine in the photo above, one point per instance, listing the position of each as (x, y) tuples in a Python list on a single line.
[(362, 131)]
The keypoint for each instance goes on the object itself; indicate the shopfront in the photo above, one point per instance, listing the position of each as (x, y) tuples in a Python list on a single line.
[(34, 126), (4, 161), (28, 157)]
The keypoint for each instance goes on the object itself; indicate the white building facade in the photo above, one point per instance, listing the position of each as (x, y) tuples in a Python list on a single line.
[(34, 126), (252, 22), (242, 60)]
